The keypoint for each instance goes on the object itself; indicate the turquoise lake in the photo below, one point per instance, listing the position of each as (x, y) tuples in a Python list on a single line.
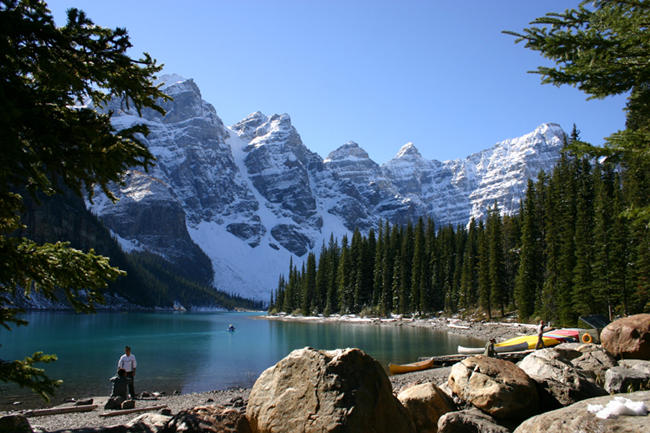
[(193, 352)]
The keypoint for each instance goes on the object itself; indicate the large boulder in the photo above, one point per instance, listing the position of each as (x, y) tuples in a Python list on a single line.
[(628, 337), (630, 375), (562, 383), (469, 421), (576, 418), (14, 424), (495, 386), (208, 419), (426, 403), (311, 390)]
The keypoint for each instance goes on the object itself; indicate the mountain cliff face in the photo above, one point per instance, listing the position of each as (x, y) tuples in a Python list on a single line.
[(240, 202)]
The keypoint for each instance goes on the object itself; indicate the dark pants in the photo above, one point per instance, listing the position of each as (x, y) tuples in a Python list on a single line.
[(131, 378), (540, 343)]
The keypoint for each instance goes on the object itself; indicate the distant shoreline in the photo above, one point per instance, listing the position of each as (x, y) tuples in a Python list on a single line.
[(483, 330)]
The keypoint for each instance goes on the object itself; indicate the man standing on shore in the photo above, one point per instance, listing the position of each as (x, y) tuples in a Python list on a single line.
[(128, 363), (540, 335)]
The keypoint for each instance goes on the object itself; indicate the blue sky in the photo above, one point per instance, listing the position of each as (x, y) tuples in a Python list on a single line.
[(382, 73)]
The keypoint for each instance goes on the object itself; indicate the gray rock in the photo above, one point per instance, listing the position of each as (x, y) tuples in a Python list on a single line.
[(14, 424), (562, 383), (576, 419), (593, 361), (469, 421), (291, 237), (625, 379), (636, 364)]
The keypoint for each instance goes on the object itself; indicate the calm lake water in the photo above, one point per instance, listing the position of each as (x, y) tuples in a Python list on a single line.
[(192, 352)]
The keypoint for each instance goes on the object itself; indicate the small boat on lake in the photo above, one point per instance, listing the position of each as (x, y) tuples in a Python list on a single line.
[(414, 366), (526, 342)]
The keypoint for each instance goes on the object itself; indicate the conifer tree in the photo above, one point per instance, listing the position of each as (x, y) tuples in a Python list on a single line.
[(406, 256), (378, 269), (53, 141), (419, 257), (552, 241), (321, 280), (603, 48), (485, 301), (364, 282), (529, 276), (343, 283), (309, 286), (583, 276), (496, 261)]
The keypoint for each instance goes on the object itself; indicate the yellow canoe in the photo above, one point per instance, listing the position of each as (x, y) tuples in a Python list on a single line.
[(530, 340), (516, 344), (414, 366)]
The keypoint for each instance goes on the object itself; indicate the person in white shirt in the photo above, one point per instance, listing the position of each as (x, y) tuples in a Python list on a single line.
[(128, 363)]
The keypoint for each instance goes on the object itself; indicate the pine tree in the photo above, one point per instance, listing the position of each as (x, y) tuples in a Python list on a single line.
[(419, 262), (321, 280), (364, 282), (406, 256), (426, 287), (566, 258), (529, 278), (309, 286), (496, 261), (582, 274), (469, 275), (484, 270), (51, 144), (603, 48), (345, 287), (356, 259), (378, 269)]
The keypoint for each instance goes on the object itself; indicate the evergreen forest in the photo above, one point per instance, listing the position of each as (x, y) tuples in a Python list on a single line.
[(569, 251)]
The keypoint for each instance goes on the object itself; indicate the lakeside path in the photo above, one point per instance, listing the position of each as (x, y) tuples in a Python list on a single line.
[(233, 397)]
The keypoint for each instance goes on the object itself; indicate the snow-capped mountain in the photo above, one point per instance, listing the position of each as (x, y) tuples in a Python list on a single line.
[(237, 203)]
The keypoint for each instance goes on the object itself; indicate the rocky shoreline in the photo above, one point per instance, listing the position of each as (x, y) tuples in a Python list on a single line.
[(478, 392), (82, 422)]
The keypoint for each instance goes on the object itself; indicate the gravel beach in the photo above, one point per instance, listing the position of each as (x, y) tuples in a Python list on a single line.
[(86, 421)]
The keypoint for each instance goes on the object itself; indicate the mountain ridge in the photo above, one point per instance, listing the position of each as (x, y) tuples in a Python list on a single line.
[(254, 192)]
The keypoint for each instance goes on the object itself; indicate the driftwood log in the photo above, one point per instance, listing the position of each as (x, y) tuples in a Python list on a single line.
[(60, 410), (128, 411)]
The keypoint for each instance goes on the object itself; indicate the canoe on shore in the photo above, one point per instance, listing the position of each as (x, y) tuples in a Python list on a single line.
[(414, 366), (526, 342)]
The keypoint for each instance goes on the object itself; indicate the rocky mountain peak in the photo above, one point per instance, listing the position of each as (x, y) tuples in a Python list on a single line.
[(408, 151), (349, 151)]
